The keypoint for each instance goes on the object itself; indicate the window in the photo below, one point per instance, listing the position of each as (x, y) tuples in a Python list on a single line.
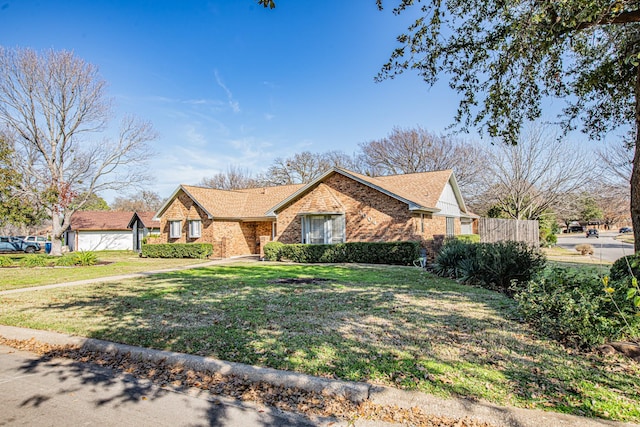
[(450, 226), (175, 229), (323, 229), (195, 227)]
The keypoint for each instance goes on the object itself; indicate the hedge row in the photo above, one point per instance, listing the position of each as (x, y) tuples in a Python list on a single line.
[(396, 253), (177, 250)]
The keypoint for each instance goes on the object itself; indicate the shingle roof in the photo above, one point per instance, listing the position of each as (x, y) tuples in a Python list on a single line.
[(100, 220), (420, 190), (246, 203), (147, 219), (423, 189)]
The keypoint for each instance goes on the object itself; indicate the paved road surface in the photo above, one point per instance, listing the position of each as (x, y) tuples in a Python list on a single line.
[(606, 247), (60, 392)]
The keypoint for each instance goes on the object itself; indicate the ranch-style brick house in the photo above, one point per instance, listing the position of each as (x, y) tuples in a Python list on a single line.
[(339, 206)]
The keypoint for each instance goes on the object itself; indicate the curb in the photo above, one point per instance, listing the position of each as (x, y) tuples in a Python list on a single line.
[(357, 392)]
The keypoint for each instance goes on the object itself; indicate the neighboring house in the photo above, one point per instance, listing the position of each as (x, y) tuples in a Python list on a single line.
[(339, 206), (104, 230), (143, 224)]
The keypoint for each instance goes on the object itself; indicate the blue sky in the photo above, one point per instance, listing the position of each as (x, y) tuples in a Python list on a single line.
[(227, 82)]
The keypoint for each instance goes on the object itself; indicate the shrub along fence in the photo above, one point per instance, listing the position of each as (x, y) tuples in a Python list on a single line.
[(396, 253)]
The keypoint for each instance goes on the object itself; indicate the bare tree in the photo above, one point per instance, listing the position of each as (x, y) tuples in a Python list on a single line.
[(146, 201), (418, 150), (54, 103), (235, 178), (616, 164), (527, 179), (303, 167)]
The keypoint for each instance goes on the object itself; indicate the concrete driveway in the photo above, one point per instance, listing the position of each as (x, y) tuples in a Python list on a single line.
[(606, 247)]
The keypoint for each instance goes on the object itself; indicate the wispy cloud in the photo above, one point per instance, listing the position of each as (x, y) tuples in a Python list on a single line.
[(235, 105)]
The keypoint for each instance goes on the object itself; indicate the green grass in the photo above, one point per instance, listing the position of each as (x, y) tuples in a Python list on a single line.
[(572, 257), (397, 326), (113, 263)]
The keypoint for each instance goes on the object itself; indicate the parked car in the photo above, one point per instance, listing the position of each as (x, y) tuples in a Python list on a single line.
[(592, 232), (36, 239), (574, 229), (625, 230), (13, 244)]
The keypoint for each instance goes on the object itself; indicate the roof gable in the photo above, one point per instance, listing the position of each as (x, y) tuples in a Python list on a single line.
[(420, 191), (322, 200), (146, 218)]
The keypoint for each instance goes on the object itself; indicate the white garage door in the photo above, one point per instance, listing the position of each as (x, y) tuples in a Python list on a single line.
[(104, 240)]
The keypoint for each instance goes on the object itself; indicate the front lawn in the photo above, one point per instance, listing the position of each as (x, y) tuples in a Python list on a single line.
[(398, 326), (112, 263)]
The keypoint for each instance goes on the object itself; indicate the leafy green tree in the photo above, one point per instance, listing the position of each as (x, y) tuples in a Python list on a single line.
[(15, 207), (589, 209), (505, 58), (94, 203)]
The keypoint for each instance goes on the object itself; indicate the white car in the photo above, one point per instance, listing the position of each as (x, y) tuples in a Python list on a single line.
[(37, 239)]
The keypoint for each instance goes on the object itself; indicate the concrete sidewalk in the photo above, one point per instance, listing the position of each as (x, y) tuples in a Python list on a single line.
[(386, 396)]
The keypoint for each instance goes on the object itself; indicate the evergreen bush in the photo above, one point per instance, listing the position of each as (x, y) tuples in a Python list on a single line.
[(501, 266), (574, 306), (177, 250), (396, 253), (626, 267)]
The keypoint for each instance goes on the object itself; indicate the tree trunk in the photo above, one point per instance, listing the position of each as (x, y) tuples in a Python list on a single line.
[(56, 234), (635, 192), (635, 172)]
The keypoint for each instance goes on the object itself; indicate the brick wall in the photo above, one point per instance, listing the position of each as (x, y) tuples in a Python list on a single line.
[(370, 215), (229, 238)]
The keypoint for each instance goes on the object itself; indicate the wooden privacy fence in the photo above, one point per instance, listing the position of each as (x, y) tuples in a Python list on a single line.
[(519, 230)]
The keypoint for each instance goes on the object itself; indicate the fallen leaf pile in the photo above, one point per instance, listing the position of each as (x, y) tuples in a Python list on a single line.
[(284, 398)]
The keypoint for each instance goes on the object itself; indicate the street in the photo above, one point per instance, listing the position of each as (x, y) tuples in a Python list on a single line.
[(606, 247), (60, 392)]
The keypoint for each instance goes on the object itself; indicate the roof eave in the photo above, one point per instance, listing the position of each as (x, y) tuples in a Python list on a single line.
[(420, 209)]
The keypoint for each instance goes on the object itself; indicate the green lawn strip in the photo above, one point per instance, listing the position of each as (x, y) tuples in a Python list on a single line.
[(571, 257), (397, 326), (118, 262)]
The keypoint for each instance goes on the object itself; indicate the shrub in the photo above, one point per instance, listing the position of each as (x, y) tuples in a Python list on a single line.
[(447, 262), (67, 260), (396, 253), (626, 267), (178, 250), (5, 261), (550, 240), (272, 251), (585, 249), (572, 306), (501, 266), (30, 261), (86, 258), (468, 238)]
